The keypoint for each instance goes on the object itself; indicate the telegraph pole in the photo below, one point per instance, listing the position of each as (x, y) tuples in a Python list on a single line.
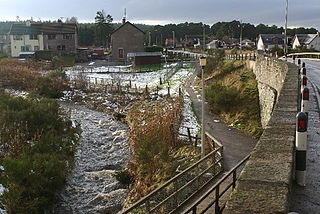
[(285, 32)]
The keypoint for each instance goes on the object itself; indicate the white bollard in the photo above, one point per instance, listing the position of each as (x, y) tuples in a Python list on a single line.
[(303, 71), (305, 100), (301, 148), (304, 82)]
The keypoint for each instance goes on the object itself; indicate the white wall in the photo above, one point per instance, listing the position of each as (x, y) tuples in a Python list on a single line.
[(295, 43), (260, 45), (17, 44)]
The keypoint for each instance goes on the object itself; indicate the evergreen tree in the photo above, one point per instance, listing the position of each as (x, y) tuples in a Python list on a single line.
[(103, 28)]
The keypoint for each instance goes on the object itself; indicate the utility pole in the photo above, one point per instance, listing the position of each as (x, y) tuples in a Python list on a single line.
[(173, 39), (240, 34), (285, 32), (204, 38), (149, 38)]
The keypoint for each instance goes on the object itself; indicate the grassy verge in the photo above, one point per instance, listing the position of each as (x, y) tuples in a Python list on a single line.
[(233, 95), (157, 152), (37, 152)]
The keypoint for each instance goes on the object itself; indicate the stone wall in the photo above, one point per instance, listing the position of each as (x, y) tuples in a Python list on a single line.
[(270, 74), (264, 184)]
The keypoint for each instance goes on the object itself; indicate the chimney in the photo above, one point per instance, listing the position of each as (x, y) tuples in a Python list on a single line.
[(123, 20)]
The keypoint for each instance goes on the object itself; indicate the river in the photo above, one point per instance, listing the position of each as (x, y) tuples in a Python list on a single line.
[(103, 148)]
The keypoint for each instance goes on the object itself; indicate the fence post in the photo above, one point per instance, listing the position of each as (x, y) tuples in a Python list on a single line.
[(169, 91), (189, 135), (301, 148), (217, 208), (160, 81), (146, 89)]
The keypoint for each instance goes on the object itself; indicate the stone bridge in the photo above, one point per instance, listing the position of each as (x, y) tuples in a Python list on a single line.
[(264, 184)]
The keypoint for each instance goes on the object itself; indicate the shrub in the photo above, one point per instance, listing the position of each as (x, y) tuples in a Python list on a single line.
[(37, 152), (123, 176), (221, 98)]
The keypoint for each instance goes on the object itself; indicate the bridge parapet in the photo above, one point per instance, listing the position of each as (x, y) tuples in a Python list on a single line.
[(264, 184)]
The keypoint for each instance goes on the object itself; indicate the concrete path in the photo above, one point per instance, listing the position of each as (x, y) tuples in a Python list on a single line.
[(236, 144), (306, 200)]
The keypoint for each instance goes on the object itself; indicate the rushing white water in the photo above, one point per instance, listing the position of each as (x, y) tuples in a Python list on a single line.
[(103, 148)]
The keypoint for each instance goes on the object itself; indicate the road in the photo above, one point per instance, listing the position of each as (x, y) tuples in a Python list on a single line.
[(306, 200)]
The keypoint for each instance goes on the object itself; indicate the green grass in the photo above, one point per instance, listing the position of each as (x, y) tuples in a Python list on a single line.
[(234, 96)]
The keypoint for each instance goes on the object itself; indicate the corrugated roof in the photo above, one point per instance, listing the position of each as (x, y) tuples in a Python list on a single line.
[(272, 39), (306, 39)]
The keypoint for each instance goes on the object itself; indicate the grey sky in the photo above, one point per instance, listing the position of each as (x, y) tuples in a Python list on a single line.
[(301, 13)]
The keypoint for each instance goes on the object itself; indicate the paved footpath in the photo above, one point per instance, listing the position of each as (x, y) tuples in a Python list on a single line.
[(236, 145), (306, 200)]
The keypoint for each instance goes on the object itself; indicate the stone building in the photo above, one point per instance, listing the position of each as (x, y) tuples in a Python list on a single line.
[(126, 39), (54, 38)]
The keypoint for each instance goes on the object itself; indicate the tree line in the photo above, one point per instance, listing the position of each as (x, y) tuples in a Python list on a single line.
[(99, 32)]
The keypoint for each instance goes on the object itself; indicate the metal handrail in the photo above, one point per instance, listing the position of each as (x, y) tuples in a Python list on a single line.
[(216, 188), (217, 151)]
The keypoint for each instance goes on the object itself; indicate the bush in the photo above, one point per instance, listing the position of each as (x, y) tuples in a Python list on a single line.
[(221, 98), (123, 176), (37, 152), (153, 49)]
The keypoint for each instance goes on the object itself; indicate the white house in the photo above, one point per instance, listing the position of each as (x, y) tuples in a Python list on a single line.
[(215, 44), (247, 43), (24, 38), (306, 40), (268, 41)]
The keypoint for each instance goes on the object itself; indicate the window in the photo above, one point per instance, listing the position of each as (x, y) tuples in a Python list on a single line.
[(120, 53), (33, 37), (58, 47), (36, 48), (23, 48), (17, 37), (51, 36), (67, 36), (28, 47), (63, 47)]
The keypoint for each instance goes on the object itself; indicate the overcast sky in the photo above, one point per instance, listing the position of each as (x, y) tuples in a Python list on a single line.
[(303, 13)]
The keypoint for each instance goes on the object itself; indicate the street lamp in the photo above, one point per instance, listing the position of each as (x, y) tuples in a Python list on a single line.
[(203, 62)]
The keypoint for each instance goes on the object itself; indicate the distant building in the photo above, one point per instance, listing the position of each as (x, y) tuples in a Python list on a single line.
[(215, 44), (268, 41), (247, 43), (145, 58), (56, 38), (59, 37), (126, 39), (306, 40), (4, 44)]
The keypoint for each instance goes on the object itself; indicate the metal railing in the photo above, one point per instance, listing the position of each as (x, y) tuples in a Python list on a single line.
[(178, 189), (226, 182)]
